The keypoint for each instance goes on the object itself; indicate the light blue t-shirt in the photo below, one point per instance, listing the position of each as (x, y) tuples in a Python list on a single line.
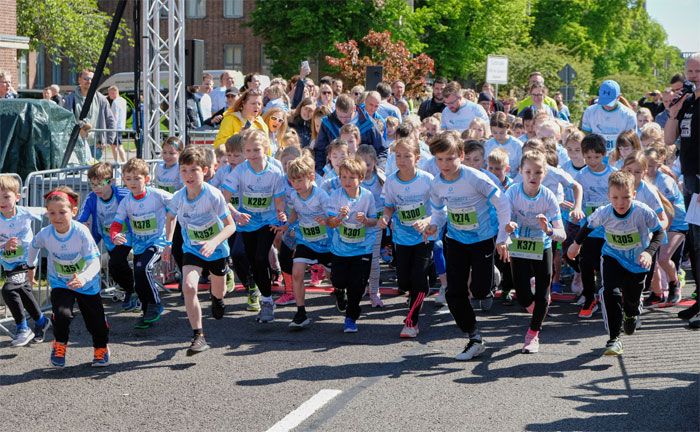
[(167, 178), (560, 183), (524, 210), (351, 238), (514, 148), (146, 217), (308, 231), (460, 120), (464, 204), (668, 187), (595, 192), (410, 201), (20, 226), (626, 237), (201, 219), (609, 124)]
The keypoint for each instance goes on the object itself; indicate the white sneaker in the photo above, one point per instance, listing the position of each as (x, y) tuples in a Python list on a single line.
[(576, 284), (473, 349), (694, 322), (440, 297), (22, 337), (409, 332), (580, 301)]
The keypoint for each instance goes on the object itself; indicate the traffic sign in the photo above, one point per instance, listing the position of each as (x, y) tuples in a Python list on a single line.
[(497, 69), (568, 92), (567, 74)]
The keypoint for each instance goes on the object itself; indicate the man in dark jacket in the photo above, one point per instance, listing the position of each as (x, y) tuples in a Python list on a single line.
[(346, 112), (434, 104)]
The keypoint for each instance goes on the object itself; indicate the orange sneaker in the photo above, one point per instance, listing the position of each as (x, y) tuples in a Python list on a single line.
[(101, 357), (58, 354)]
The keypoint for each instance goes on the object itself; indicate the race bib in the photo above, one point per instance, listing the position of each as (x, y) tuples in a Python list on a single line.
[(167, 188), (313, 232), (13, 256), (235, 201), (685, 127), (411, 213), (610, 140), (352, 233), (66, 268), (623, 241), (592, 206), (463, 219), (144, 225), (257, 202), (205, 232), (527, 248)]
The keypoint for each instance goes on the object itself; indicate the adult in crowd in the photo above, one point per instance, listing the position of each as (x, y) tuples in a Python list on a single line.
[(436, 103), (215, 120), (564, 112), (535, 77), (652, 101), (99, 116), (244, 114), (386, 109), (325, 97), (218, 95), (684, 122), (300, 120), (118, 107), (398, 94), (356, 93), (459, 112), (46, 94), (276, 120), (486, 102), (302, 86), (537, 93), (347, 112), (496, 104), (203, 95), (250, 82), (676, 84), (337, 87), (6, 90), (56, 91), (608, 117)]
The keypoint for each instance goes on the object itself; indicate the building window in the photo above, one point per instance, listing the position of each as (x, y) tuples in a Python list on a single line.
[(233, 57), (265, 62), (40, 79), (23, 69), (195, 9), (56, 73), (233, 8)]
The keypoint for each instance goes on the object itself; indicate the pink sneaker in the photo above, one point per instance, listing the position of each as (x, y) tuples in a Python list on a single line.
[(285, 299), (376, 301), (318, 274), (532, 343)]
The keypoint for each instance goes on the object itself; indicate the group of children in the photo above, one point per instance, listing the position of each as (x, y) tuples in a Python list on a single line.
[(460, 206)]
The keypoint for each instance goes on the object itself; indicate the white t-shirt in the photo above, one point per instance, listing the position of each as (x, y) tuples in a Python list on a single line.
[(461, 119), (609, 124)]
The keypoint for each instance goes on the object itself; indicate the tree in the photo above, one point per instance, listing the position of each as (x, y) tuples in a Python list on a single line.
[(296, 30), (68, 29), (396, 59)]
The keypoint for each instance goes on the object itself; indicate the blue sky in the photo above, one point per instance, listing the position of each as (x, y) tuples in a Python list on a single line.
[(680, 19)]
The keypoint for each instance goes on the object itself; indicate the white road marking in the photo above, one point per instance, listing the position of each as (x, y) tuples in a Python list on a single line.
[(305, 410)]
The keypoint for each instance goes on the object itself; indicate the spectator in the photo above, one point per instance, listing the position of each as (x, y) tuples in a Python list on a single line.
[(497, 105), (276, 120), (56, 94), (218, 116), (564, 112), (608, 117), (218, 95), (347, 113), (98, 117), (510, 105), (301, 120), (538, 92), (302, 87), (436, 103), (250, 82), (667, 97), (244, 114), (356, 93), (46, 93), (337, 87), (459, 113), (386, 109), (118, 106), (536, 77), (6, 90), (325, 97), (653, 102), (277, 98), (203, 95), (644, 116), (486, 101)]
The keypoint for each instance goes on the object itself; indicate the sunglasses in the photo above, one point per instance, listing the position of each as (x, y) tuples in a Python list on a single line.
[(326, 92), (104, 182), (277, 119)]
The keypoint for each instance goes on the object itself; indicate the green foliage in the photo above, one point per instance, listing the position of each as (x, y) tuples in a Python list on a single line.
[(296, 30), (74, 30)]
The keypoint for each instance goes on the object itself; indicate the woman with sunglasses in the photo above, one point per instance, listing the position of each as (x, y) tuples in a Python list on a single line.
[(325, 97), (244, 114), (276, 121)]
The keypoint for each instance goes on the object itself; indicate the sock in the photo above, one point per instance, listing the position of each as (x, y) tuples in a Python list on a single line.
[(197, 332), (41, 321), (533, 333), (266, 299), (22, 325), (301, 309)]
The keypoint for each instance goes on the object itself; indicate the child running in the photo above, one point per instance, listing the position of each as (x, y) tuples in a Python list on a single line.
[(462, 197), (352, 211), (535, 222), (632, 236), (15, 237), (206, 224), (73, 274), (144, 210), (406, 204), (167, 175)]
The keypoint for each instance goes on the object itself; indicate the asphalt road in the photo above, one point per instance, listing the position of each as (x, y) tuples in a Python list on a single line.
[(255, 375)]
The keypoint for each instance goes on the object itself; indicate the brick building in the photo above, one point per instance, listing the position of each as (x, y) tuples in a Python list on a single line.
[(228, 43), (13, 48)]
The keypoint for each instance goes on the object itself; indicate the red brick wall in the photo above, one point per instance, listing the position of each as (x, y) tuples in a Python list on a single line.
[(8, 26)]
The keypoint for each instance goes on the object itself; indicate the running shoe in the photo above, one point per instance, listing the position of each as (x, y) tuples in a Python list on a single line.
[(690, 312), (300, 321), (101, 357), (141, 324), (318, 274), (267, 312), (230, 282), (580, 301), (486, 304), (341, 300), (253, 300), (653, 300), (218, 308), (153, 313), (276, 278), (613, 347), (40, 330), (22, 337), (130, 303), (577, 284), (694, 322), (285, 299), (532, 344), (588, 309), (409, 332), (198, 345), (349, 326), (681, 278), (376, 301), (630, 324), (674, 295), (507, 296), (474, 348), (440, 297), (58, 354)]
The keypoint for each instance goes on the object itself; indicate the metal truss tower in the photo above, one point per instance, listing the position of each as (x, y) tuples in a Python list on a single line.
[(163, 77)]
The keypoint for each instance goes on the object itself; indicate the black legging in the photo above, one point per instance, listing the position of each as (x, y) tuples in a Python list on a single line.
[(62, 301), (622, 290), (589, 264), (19, 297), (257, 248), (523, 269), (412, 264), (119, 268)]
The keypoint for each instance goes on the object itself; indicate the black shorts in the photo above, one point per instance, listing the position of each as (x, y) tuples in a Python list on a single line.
[(305, 254), (218, 267)]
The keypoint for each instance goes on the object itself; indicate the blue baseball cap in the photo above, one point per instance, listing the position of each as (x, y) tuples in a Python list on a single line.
[(608, 93)]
